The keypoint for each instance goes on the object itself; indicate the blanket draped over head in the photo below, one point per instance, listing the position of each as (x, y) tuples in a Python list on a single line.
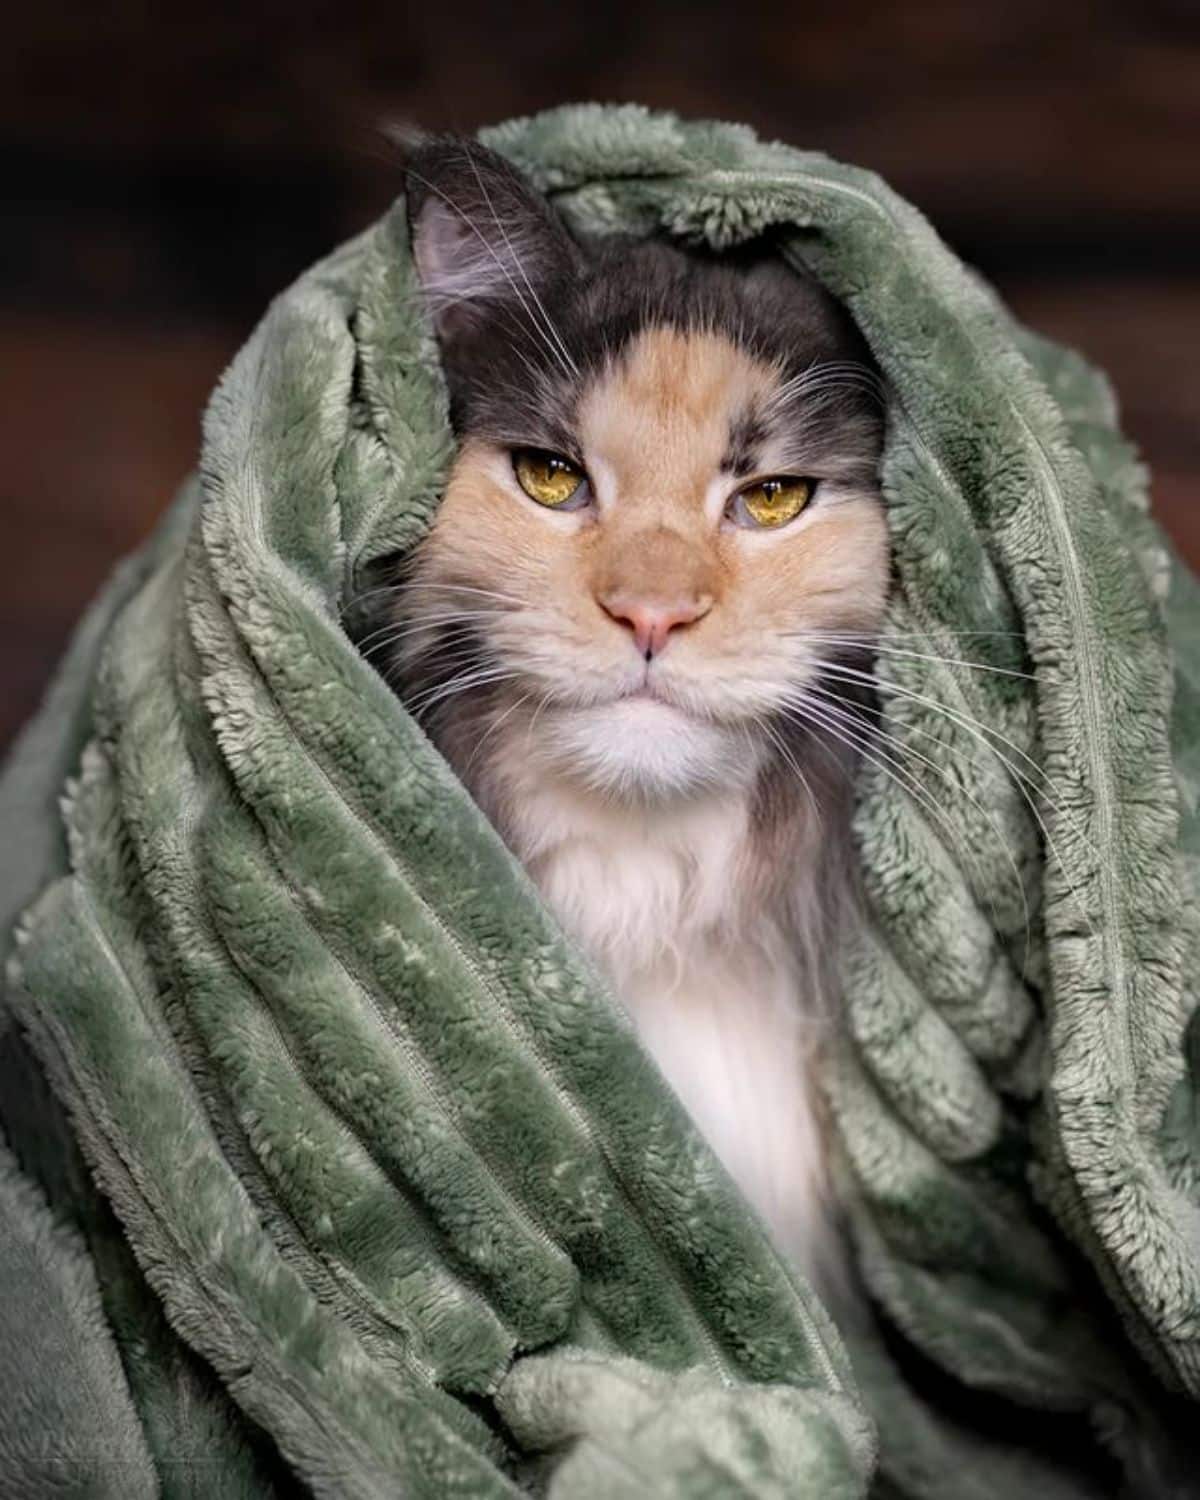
[(331, 1168)]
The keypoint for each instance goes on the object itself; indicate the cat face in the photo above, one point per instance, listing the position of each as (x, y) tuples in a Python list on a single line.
[(664, 512)]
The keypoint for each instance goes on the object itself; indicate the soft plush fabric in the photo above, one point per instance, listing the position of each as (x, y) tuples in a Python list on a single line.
[(331, 1167)]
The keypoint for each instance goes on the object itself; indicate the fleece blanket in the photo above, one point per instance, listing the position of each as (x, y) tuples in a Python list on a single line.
[(330, 1167)]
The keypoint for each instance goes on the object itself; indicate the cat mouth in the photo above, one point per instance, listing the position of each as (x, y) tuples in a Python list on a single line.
[(655, 701), (647, 692)]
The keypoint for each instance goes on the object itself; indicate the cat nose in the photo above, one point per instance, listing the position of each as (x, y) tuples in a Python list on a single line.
[(652, 620)]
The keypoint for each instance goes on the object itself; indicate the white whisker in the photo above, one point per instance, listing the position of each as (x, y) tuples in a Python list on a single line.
[(464, 682), (980, 731), (948, 661), (879, 733), (483, 240), (546, 319), (398, 630), (793, 764)]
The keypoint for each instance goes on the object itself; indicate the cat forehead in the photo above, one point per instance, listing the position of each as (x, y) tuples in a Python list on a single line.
[(692, 401), (522, 367)]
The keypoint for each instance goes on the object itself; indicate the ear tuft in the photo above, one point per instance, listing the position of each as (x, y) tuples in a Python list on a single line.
[(482, 235)]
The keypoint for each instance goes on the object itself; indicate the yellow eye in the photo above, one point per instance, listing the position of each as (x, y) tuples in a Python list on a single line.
[(772, 502), (546, 478)]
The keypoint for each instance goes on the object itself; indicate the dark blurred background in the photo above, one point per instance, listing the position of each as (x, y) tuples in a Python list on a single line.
[(166, 169)]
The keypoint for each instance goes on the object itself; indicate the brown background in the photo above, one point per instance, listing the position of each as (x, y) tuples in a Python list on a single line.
[(166, 169)]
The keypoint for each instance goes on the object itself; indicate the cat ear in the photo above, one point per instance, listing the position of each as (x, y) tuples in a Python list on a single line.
[(481, 234)]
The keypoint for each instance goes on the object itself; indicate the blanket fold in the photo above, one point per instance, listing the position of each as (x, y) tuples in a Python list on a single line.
[(363, 1132)]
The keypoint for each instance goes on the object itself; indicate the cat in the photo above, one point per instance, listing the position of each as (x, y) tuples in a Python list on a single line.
[(662, 527)]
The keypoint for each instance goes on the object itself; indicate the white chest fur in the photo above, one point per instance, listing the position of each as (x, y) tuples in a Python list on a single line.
[(713, 986)]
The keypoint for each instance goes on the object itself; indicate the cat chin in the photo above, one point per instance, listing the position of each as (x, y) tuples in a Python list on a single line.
[(643, 749)]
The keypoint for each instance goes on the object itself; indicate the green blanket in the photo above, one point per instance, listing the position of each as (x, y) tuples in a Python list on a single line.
[(331, 1167)]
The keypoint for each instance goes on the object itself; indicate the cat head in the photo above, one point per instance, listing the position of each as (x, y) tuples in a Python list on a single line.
[(664, 513)]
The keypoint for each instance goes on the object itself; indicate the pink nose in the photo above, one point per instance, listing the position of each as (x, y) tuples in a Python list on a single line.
[(652, 621)]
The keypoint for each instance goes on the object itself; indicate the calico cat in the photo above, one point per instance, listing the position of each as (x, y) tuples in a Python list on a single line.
[(662, 527)]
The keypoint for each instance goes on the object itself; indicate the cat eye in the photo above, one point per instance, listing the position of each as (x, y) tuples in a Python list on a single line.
[(549, 479), (771, 502)]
